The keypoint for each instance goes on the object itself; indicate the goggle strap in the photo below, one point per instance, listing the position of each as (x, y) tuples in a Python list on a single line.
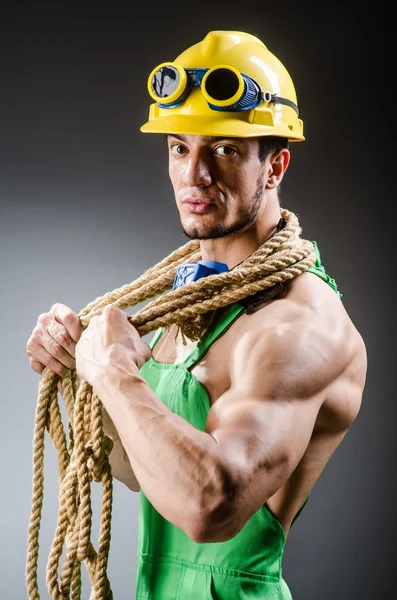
[(279, 100)]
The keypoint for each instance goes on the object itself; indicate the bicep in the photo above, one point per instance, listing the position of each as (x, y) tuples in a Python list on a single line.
[(264, 422), (260, 441)]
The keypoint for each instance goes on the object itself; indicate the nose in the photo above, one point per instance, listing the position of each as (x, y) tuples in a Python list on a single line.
[(196, 171)]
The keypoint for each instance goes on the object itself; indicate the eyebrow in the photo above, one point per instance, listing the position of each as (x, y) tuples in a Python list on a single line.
[(207, 138)]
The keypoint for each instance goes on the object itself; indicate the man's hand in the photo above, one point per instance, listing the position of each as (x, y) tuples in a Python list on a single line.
[(53, 345), (110, 340), (53, 340)]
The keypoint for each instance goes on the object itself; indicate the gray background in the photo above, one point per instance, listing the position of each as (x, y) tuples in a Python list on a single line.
[(86, 206)]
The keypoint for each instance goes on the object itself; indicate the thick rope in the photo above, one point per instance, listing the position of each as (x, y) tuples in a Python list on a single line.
[(84, 456)]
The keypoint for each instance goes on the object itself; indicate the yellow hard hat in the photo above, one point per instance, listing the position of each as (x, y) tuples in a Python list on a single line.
[(228, 84)]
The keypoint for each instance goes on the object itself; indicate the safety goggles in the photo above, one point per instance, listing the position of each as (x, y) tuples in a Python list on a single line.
[(223, 87)]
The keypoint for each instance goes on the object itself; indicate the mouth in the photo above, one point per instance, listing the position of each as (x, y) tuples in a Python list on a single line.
[(198, 205)]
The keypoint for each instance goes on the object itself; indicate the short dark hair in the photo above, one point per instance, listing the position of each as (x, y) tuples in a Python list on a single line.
[(269, 144)]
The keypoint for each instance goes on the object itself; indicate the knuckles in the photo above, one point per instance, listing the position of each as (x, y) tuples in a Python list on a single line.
[(70, 318), (112, 312), (34, 338), (56, 350), (43, 318), (63, 338)]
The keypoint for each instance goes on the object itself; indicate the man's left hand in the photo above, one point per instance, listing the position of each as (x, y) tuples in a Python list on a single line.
[(110, 341)]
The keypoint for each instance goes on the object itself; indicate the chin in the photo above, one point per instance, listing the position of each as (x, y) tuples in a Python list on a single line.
[(204, 233), (194, 234), (197, 229), (194, 229)]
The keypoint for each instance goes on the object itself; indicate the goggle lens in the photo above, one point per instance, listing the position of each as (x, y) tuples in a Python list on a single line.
[(222, 84), (165, 81)]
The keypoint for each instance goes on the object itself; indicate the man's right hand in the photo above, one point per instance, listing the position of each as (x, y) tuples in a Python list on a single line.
[(53, 340)]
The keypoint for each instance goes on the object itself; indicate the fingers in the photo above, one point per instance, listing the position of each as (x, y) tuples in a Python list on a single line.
[(43, 358), (37, 366), (62, 337), (53, 340), (64, 315), (56, 351)]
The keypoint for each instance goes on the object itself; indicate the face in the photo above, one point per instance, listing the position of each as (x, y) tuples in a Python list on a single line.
[(224, 172)]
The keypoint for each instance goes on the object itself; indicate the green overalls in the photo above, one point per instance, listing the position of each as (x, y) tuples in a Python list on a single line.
[(170, 566)]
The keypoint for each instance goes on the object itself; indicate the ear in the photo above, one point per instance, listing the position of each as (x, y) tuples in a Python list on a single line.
[(278, 164)]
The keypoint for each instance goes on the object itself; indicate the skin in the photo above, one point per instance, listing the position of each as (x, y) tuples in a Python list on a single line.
[(285, 383)]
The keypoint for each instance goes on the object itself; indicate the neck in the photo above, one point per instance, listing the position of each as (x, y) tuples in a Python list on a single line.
[(234, 248)]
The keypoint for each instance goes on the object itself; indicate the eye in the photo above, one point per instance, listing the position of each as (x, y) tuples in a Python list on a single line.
[(226, 150), (177, 149)]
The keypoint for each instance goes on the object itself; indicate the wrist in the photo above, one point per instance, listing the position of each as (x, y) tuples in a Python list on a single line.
[(116, 381)]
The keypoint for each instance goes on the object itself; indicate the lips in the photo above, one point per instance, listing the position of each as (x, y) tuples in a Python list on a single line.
[(199, 207), (197, 204), (196, 201)]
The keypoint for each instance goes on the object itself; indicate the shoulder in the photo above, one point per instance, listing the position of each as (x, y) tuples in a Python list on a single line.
[(299, 345), (323, 305)]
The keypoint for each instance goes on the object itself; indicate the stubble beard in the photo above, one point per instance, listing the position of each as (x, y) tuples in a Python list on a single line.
[(219, 230)]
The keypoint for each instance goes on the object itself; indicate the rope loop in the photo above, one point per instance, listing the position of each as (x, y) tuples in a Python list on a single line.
[(97, 461)]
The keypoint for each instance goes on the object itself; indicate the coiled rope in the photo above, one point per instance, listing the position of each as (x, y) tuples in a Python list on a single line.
[(84, 456)]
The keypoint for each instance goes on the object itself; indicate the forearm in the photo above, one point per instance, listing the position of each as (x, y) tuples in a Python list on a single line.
[(175, 463)]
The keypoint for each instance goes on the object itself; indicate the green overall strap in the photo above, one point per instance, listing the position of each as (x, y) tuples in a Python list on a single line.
[(223, 322), (319, 270)]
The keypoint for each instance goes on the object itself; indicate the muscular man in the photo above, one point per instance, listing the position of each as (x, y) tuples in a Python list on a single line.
[(225, 437)]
